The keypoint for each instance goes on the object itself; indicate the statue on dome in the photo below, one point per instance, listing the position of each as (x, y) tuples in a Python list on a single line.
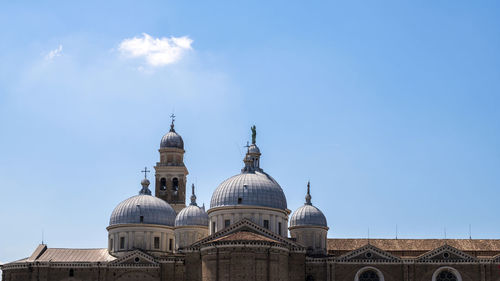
[(254, 133)]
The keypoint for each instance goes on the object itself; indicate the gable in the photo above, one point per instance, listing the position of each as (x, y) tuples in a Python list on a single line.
[(247, 226), (446, 253), (135, 258), (368, 253)]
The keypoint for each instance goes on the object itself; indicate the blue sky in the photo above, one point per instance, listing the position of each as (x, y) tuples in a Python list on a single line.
[(389, 108)]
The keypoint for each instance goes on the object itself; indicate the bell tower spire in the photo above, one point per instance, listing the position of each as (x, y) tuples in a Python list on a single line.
[(171, 173)]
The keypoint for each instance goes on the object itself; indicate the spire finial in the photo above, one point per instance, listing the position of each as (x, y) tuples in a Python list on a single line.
[(254, 133), (193, 197), (308, 195), (172, 116)]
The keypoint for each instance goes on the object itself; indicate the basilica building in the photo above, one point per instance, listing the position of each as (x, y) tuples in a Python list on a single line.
[(248, 233)]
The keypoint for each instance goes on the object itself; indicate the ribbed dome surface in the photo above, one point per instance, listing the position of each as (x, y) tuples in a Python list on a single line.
[(154, 211), (253, 149), (172, 139), (192, 215), (250, 188), (308, 215)]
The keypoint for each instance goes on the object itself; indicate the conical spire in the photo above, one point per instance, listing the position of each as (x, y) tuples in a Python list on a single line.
[(308, 195), (193, 197)]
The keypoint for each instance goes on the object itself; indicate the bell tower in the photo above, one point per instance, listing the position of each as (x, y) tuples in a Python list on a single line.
[(170, 172)]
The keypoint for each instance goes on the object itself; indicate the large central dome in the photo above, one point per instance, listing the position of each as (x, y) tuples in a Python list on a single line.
[(249, 188), (252, 187)]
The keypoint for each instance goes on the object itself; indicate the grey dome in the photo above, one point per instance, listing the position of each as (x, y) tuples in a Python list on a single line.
[(254, 188), (153, 210), (192, 215), (172, 139), (308, 215), (253, 148)]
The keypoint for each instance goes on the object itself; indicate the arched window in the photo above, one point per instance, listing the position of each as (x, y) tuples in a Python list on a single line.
[(446, 273), (175, 184), (163, 184), (369, 273)]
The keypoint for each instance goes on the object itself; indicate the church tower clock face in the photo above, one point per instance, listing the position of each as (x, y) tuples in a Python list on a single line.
[(171, 173)]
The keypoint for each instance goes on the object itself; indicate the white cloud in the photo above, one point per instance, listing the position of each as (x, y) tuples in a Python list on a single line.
[(54, 53), (156, 51)]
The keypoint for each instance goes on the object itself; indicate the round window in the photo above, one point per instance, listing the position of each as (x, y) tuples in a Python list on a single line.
[(137, 260)]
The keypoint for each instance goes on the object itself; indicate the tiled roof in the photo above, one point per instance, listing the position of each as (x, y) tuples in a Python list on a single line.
[(75, 255), (482, 245), (244, 236)]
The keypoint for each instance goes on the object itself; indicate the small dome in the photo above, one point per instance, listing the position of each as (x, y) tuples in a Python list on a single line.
[(145, 182), (253, 148), (249, 188), (143, 208), (192, 215), (172, 139), (308, 215)]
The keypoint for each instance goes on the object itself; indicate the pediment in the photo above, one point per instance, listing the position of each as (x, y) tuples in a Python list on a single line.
[(368, 253), (245, 225), (446, 253), (135, 258), (496, 258)]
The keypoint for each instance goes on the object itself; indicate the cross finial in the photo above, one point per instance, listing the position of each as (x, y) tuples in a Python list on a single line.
[(145, 171)]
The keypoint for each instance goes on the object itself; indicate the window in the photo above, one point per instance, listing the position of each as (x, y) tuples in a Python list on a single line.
[(163, 184), (213, 227), (175, 184), (157, 242), (170, 242), (71, 272), (111, 246), (240, 200), (141, 219), (266, 224), (369, 275), (446, 275), (122, 242), (279, 228), (227, 223)]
